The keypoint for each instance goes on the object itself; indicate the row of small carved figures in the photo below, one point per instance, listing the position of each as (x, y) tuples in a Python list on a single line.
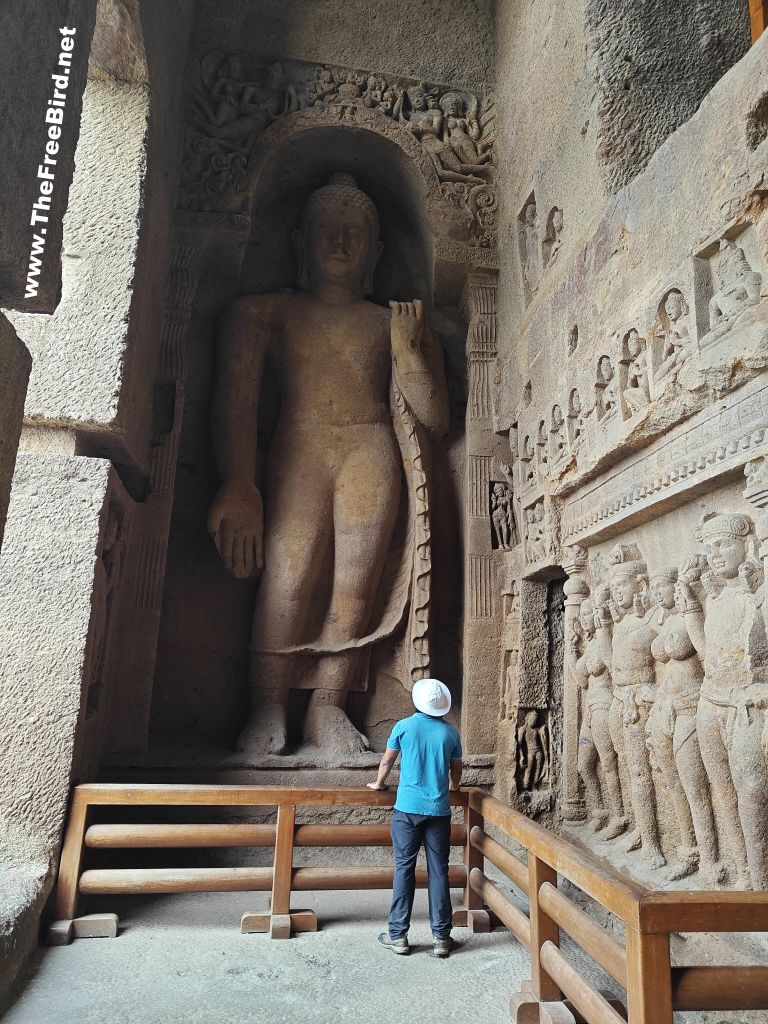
[(680, 684), (739, 290)]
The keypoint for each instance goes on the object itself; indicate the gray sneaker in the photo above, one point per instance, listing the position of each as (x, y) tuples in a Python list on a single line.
[(441, 948), (399, 946)]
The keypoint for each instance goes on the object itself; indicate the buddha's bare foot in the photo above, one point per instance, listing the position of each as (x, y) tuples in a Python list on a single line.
[(599, 820), (654, 858), (633, 842), (715, 872), (687, 863), (615, 828), (265, 732), (328, 728)]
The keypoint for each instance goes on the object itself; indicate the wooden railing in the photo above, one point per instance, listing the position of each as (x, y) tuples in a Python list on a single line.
[(557, 991)]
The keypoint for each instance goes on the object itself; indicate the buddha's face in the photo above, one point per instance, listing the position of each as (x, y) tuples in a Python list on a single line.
[(606, 370), (633, 344), (337, 243), (623, 590), (576, 403), (663, 590), (725, 554)]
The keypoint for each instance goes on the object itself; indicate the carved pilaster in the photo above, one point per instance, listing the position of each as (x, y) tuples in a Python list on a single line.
[(142, 596), (484, 457), (576, 589)]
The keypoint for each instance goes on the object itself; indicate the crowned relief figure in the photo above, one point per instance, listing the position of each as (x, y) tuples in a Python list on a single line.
[(341, 543)]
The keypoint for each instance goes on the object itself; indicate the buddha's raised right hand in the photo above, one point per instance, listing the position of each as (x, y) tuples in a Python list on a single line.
[(236, 523)]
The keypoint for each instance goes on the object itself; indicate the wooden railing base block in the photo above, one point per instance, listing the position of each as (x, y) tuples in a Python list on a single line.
[(274, 924), (59, 933), (478, 921), (524, 1008), (96, 926)]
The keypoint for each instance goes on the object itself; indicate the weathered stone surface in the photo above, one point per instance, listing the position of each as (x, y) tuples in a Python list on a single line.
[(95, 357), (46, 587), (15, 365), (47, 582), (653, 62), (34, 45)]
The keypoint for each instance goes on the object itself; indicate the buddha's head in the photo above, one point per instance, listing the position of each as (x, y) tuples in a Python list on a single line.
[(634, 344), (338, 238)]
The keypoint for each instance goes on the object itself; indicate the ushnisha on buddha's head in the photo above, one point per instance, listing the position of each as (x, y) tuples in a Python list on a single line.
[(337, 243)]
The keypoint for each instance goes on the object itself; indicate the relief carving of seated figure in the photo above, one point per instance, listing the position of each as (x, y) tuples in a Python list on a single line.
[(606, 389), (355, 381), (676, 344), (739, 290), (637, 393)]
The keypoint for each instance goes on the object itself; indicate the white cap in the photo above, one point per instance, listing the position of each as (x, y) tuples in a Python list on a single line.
[(431, 697)]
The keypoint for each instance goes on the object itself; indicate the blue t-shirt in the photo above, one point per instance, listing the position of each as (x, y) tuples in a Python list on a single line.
[(427, 745)]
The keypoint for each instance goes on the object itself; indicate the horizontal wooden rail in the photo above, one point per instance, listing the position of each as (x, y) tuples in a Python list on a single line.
[(102, 794), (720, 988), (505, 861), (591, 1004), (134, 837), (691, 911), (593, 939), (593, 876), (506, 911), (120, 881)]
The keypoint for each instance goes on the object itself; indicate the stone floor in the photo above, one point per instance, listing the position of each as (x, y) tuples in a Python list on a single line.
[(182, 958)]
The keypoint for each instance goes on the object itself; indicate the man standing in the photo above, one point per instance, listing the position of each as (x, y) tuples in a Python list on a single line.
[(430, 764)]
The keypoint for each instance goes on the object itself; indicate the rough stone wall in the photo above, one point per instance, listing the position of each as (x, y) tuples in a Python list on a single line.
[(427, 39), (48, 605), (14, 374)]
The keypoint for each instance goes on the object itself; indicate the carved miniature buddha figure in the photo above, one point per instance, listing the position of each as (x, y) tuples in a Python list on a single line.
[(355, 380), (559, 442), (739, 289), (672, 727), (606, 389), (532, 752), (605, 802), (637, 393), (730, 635), (628, 655), (676, 344)]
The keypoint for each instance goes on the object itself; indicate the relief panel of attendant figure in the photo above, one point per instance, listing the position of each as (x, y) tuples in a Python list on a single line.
[(605, 803), (672, 727), (628, 655), (730, 636)]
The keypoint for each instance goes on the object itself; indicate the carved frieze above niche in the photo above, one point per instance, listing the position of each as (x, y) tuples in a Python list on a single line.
[(238, 108), (700, 335)]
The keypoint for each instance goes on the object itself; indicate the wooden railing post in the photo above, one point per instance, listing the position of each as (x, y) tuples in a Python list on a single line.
[(649, 978), (543, 929), (472, 914), (280, 922)]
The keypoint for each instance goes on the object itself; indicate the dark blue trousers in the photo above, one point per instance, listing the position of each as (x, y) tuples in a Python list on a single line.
[(409, 831)]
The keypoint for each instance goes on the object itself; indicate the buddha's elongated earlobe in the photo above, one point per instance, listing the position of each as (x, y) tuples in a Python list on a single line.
[(302, 277)]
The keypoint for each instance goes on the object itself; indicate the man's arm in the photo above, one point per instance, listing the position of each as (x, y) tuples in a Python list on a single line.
[(385, 767), (457, 766)]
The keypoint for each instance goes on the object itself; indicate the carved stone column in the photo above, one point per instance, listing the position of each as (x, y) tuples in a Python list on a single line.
[(482, 611), (141, 601), (576, 589)]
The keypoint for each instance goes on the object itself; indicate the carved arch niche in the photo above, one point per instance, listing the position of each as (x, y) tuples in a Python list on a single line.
[(295, 163)]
